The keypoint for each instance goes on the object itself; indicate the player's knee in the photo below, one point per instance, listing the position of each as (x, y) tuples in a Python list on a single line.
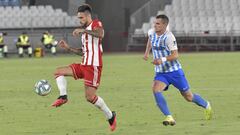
[(88, 98), (58, 72), (91, 98), (157, 89), (154, 87), (188, 98)]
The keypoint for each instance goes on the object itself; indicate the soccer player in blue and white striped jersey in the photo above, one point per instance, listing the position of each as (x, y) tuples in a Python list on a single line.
[(168, 69)]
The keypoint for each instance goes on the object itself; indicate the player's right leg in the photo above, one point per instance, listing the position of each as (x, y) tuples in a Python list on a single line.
[(61, 81), (159, 85), (1, 50), (91, 96), (29, 51), (180, 82), (198, 100), (53, 49), (5, 50)]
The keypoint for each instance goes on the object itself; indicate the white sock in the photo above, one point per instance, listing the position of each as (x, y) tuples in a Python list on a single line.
[(102, 106), (62, 85)]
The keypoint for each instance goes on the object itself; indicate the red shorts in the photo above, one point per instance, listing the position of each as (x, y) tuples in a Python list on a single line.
[(90, 74)]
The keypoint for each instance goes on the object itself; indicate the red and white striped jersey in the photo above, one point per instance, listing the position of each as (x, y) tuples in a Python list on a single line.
[(92, 46)]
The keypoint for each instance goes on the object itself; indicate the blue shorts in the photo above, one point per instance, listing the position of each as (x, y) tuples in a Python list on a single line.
[(176, 78)]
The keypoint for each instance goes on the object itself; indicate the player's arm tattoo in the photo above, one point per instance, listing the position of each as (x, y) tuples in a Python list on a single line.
[(96, 33), (77, 51)]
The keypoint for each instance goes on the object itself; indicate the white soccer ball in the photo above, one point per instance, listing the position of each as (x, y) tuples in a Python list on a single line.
[(42, 87)]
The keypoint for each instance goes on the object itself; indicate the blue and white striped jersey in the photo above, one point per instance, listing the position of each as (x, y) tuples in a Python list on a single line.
[(161, 47)]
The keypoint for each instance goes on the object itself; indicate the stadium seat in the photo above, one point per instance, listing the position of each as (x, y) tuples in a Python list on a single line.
[(17, 24), (236, 19), (26, 23), (168, 10), (236, 28), (213, 27), (33, 8), (151, 21), (210, 12), (40, 8), (34, 13), (188, 28), (138, 31), (24, 8), (58, 12), (146, 27), (160, 12), (2, 24), (49, 8)]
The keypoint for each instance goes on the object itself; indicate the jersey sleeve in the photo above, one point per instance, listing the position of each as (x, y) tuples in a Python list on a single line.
[(171, 42), (97, 24)]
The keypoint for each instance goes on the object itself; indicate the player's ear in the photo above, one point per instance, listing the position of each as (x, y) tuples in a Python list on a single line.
[(89, 15)]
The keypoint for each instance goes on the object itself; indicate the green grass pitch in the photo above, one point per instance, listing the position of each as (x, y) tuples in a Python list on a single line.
[(126, 88)]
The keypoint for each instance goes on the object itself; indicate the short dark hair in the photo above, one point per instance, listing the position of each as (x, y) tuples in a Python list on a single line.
[(163, 17), (84, 8)]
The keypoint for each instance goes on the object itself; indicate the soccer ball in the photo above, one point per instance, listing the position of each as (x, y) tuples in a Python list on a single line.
[(42, 87)]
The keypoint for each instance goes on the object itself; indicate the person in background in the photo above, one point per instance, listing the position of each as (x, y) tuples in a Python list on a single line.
[(3, 46), (49, 42), (23, 43)]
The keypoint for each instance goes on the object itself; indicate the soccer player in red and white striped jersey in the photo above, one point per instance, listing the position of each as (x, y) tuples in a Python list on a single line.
[(91, 33)]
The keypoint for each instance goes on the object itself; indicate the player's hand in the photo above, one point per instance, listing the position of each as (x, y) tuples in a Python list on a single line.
[(63, 44), (77, 32), (157, 62), (145, 57)]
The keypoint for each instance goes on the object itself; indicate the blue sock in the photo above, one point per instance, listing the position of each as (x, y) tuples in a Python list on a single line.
[(161, 102), (199, 100)]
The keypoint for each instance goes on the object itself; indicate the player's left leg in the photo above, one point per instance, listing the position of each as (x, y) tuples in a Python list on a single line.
[(53, 49), (61, 81), (158, 87), (180, 82), (20, 51), (1, 50), (5, 50), (160, 84), (29, 51), (90, 94), (197, 99), (92, 76)]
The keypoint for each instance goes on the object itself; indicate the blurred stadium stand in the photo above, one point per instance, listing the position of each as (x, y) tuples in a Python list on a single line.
[(35, 17), (197, 24), (10, 2)]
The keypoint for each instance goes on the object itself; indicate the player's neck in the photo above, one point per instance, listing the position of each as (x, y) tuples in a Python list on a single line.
[(89, 21)]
